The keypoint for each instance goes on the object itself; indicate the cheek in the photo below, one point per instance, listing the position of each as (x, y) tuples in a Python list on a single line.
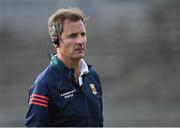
[(85, 40), (69, 47)]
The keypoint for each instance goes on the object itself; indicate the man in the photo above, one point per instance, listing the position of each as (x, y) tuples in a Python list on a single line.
[(68, 92)]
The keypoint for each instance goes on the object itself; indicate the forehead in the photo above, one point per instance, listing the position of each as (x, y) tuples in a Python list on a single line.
[(73, 26)]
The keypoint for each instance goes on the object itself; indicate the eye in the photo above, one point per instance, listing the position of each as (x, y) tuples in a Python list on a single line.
[(83, 34), (73, 35)]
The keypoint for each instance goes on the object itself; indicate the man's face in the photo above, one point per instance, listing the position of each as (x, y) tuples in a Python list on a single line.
[(73, 39)]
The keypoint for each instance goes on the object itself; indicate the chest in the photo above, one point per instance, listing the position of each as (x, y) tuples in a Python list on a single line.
[(71, 99)]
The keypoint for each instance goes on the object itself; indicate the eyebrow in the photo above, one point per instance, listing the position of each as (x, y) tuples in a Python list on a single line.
[(75, 33)]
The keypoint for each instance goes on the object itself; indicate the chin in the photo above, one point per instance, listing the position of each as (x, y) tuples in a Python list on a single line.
[(79, 57)]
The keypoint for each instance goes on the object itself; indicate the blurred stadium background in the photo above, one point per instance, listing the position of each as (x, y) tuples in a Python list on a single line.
[(134, 45)]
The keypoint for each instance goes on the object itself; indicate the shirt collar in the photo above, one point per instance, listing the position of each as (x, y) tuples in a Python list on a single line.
[(84, 70), (61, 67), (58, 63), (83, 67)]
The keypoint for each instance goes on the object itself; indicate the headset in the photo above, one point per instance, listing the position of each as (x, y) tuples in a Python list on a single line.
[(53, 31), (56, 41)]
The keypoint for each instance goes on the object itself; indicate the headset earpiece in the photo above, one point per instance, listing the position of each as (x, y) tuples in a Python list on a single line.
[(55, 40), (53, 31)]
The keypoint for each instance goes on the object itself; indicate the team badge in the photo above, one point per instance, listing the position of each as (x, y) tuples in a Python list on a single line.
[(93, 89)]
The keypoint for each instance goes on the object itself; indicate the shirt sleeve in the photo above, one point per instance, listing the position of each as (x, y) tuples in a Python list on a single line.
[(97, 78), (38, 112)]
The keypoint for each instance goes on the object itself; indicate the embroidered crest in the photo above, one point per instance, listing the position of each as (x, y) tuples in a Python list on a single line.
[(93, 89)]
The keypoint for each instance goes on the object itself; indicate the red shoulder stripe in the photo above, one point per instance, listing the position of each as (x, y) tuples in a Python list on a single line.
[(39, 96), (39, 104), (37, 99)]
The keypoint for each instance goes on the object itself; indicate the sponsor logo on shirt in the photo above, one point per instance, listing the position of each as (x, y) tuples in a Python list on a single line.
[(68, 94)]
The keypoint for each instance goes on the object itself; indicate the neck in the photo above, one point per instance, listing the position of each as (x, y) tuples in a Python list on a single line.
[(71, 64)]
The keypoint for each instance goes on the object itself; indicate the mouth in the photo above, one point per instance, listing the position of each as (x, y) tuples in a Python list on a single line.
[(79, 49)]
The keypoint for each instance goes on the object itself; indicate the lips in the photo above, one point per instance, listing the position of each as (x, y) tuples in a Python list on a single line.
[(79, 49)]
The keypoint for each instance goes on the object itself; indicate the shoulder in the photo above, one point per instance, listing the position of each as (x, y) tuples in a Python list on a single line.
[(43, 75), (47, 77), (93, 72), (95, 77), (41, 84), (38, 84)]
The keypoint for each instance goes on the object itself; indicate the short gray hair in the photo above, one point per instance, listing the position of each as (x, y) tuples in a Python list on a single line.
[(55, 21)]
